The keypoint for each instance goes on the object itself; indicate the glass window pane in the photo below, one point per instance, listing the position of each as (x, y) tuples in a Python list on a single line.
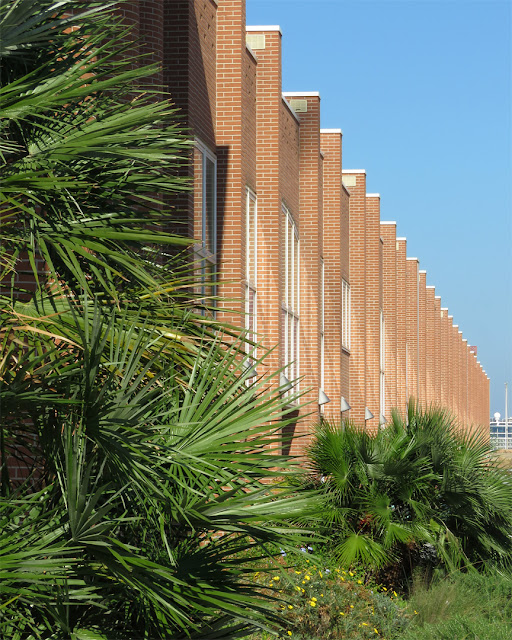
[(209, 223), (251, 241)]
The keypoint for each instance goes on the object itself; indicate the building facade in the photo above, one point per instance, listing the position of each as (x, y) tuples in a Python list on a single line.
[(305, 265)]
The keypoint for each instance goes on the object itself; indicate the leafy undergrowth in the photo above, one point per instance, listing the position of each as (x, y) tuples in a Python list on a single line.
[(327, 602), (322, 601)]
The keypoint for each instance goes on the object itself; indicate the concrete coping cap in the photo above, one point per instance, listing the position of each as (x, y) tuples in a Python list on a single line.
[(264, 27), (299, 94)]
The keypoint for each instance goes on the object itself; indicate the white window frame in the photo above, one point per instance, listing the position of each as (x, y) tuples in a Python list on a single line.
[(345, 315), (251, 282), (290, 312), (207, 256)]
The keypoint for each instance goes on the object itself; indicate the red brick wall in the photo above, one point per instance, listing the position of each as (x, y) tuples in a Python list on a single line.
[(430, 348), (236, 151), (190, 75), (412, 327), (389, 305), (422, 333), (445, 364), (464, 381), (455, 369), (311, 246), (151, 34), (401, 324), (277, 181), (357, 253), (268, 109), (334, 244), (373, 302)]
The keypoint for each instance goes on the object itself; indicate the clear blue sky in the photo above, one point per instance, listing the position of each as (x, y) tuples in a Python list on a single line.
[(422, 91)]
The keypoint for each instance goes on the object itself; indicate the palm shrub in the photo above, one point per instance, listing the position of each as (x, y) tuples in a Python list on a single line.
[(420, 490), (154, 482)]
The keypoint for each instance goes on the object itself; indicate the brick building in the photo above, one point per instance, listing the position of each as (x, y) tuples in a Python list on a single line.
[(304, 262)]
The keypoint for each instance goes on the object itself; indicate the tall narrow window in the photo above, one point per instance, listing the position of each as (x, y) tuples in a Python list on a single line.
[(206, 250), (382, 368), (290, 307), (345, 315), (251, 269)]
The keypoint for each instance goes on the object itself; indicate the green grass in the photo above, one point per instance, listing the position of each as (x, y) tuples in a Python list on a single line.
[(464, 606)]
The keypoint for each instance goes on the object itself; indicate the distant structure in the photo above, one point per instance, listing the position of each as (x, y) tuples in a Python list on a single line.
[(501, 432)]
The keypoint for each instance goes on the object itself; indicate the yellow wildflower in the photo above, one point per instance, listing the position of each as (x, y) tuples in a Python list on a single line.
[(312, 603), (396, 594), (303, 582), (314, 599), (289, 633), (298, 572), (351, 606), (307, 577), (365, 624), (358, 582), (321, 595), (290, 606), (350, 573), (277, 578), (375, 630)]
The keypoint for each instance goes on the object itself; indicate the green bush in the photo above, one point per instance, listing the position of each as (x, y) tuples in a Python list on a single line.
[(152, 461), (419, 492)]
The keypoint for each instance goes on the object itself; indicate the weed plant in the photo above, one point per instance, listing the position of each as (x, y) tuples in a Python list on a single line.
[(318, 600)]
